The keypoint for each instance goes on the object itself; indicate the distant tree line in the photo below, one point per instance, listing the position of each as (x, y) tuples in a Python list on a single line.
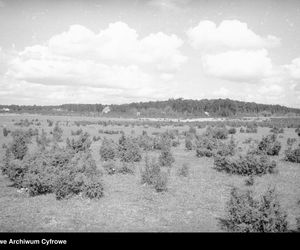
[(170, 108)]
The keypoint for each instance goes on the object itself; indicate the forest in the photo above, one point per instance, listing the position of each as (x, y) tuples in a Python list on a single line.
[(169, 108)]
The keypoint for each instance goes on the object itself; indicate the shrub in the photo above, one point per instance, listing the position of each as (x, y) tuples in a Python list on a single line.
[(126, 168), (57, 133), (291, 141), (232, 131), (15, 172), (270, 145), (277, 130), (42, 141), (6, 161), (166, 157), (83, 143), (217, 132), (192, 130), (77, 132), (189, 143), (50, 123), (19, 146), (206, 147), (108, 150), (184, 170), (152, 175), (79, 175), (292, 155), (250, 181), (129, 150), (5, 132), (242, 130), (93, 189), (245, 164), (43, 170), (145, 142), (251, 129), (96, 138), (246, 214)]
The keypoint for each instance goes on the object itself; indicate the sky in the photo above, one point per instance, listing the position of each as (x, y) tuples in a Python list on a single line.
[(61, 51)]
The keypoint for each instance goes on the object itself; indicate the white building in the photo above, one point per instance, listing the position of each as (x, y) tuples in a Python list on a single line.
[(5, 109), (206, 113)]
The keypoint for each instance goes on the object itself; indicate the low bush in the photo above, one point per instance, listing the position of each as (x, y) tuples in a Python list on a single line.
[(184, 170), (232, 131), (42, 141), (129, 150), (217, 132), (270, 145), (290, 141), (6, 132), (245, 164), (57, 133), (108, 150), (166, 158), (77, 132), (292, 155), (251, 129), (19, 145), (246, 214), (152, 175), (83, 143)]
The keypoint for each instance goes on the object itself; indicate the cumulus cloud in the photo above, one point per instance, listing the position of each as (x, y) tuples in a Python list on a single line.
[(118, 43), (115, 58), (230, 34), (294, 68), (240, 65)]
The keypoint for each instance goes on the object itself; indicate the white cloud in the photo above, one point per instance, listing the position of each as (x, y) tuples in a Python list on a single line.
[(240, 65), (294, 68), (222, 92), (230, 34), (271, 91), (119, 43), (112, 59)]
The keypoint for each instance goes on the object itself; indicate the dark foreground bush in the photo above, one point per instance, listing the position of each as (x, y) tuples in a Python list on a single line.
[(152, 175), (208, 147), (166, 158), (129, 150), (232, 131), (5, 132), (245, 164), (292, 155), (83, 143), (19, 145), (270, 145), (246, 214)]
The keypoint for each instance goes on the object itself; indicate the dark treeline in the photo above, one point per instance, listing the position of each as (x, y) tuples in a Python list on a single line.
[(169, 108)]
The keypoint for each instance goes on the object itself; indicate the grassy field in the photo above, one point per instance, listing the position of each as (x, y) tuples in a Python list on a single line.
[(192, 203)]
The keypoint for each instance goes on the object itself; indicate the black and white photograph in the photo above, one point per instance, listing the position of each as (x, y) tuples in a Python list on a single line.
[(149, 116)]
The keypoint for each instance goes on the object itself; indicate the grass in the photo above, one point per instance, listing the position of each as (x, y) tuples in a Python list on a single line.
[(190, 204)]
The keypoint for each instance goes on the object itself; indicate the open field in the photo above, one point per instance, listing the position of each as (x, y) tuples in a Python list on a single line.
[(192, 203)]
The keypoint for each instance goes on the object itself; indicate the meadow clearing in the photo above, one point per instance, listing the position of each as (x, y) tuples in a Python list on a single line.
[(195, 195)]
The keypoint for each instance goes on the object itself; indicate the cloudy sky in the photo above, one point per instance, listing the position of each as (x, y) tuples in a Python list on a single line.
[(93, 51)]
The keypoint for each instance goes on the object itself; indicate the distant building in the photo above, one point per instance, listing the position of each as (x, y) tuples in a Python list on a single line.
[(138, 113), (206, 113), (5, 109), (106, 110)]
